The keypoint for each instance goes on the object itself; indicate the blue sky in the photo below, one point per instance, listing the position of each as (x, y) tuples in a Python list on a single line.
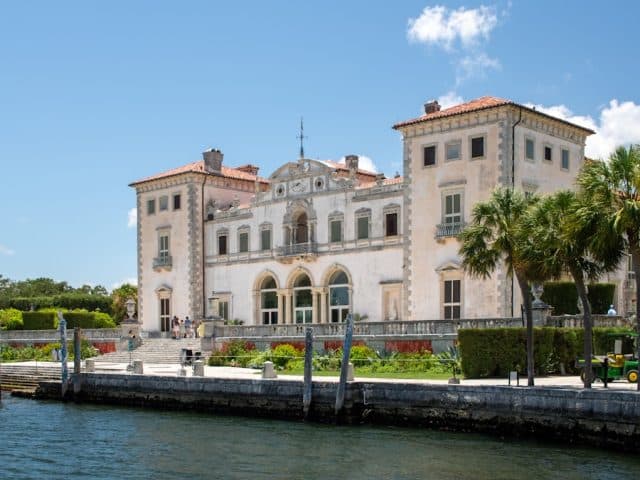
[(96, 95)]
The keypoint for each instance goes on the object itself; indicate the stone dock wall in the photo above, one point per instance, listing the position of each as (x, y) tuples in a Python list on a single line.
[(608, 419)]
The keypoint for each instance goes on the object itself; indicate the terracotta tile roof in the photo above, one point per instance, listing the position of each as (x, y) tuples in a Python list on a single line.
[(386, 181), (343, 167), (481, 103), (198, 167)]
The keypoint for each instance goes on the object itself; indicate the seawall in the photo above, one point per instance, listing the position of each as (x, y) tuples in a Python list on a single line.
[(600, 418)]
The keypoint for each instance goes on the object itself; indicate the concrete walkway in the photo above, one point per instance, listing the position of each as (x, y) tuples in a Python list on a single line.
[(172, 369)]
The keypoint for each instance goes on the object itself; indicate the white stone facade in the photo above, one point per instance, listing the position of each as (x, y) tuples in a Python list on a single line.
[(317, 239)]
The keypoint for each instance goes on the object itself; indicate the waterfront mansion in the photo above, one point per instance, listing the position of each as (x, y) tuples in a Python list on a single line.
[(316, 240)]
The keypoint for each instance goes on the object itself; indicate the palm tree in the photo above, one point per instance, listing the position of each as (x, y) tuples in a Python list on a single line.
[(494, 236), (560, 242), (613, 188)]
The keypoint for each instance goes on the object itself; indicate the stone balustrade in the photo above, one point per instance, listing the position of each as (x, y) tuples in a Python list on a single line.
[(50, 336)]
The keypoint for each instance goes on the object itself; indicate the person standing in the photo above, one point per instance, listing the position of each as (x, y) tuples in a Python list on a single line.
[(188, 327), (175, 328)]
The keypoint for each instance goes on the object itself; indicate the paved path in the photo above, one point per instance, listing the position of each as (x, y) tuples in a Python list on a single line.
[(171, 369)]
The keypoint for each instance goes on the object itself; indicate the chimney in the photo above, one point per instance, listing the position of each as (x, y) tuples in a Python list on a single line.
[(212, 160), (249, 168), (351, 161), (431, 107)]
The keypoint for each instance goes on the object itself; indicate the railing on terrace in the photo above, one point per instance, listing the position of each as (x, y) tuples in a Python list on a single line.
[(449, 229), (390, 328), (576, 321), (39, 336), (298, 249), (163, 261)]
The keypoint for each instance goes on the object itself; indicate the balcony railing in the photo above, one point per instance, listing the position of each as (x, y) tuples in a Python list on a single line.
[(162, 261), (396, 328), (449, 229), (298, 249)]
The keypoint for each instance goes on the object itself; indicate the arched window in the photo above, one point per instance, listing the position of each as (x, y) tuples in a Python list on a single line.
[(269, 301), (301, 229), (302, 299), (339, 296)]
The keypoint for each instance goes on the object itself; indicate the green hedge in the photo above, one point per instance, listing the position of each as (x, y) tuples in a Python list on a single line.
[(563, 297), (39, 320), (70, 301), (601, 296), (493, 352), (80, 319)]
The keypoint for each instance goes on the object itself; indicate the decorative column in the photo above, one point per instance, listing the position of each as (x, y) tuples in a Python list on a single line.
[(287, 307), (323, 305), (281, 300), (314, 305)]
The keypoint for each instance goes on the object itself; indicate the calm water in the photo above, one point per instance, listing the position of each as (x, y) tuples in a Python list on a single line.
[(50, 440)]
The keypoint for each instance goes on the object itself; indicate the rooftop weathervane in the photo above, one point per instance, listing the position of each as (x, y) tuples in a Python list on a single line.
[(301, 137)]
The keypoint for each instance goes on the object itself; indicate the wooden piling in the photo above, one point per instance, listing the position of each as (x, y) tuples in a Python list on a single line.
[(308, 363), (344, 368)]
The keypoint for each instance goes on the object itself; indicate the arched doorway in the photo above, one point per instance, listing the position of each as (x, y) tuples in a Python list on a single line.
[(269, 301), (339, 301), (302, 299)]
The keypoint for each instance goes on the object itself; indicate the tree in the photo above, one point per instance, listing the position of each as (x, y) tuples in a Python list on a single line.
[(119, 297), (560, 242), (613, 190), (495, 237)]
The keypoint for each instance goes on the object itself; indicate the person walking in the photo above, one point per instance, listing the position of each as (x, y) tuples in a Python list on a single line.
[(188, 327)]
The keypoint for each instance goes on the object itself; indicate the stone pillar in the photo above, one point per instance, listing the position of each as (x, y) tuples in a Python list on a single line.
[(323, 305), (287, 307), (198, 368), (539, 314), (90, 365), (268, 371), (314, 305), (281, 303), (138, 367)]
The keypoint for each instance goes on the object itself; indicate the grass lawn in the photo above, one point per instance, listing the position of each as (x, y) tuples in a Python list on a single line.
[(402, 375)]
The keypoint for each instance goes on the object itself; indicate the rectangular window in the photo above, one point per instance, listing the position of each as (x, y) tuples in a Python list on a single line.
[(223, 309), (391, 224), (548, 154), (363, 227), (151, 206), (453, 208), (477, 147), (565, 159), (164, 203), (165, 315), (163, 246), (529, 149), (452, 151), (336, 230), (265, 239), (222, 244), (451, 299), (429, 155), (176, 201), (243, 242)]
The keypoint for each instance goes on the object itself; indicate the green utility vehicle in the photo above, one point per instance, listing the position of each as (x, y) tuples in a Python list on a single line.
[(616, 365)]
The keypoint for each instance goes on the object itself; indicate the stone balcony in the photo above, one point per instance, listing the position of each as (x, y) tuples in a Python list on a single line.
[(164, 261), (297, 249), (449, 229)]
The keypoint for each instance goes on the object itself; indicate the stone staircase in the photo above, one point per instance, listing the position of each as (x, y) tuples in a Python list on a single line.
[(25, 378), (156, 350)]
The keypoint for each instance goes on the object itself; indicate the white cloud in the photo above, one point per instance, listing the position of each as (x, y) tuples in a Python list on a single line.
[(449, 99), (131, 281), (442, 27), (619, 124), (4, 250), (475, 66), (365, 163), (132, 218)]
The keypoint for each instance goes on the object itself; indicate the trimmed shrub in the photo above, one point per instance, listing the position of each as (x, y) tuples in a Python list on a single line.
[(237, 353), (69, 301), (80, 319), (10, 319), (562, 296), (493, 352), (283, 354), (39, 320), (103, 320), (601, 296), (361, 355)]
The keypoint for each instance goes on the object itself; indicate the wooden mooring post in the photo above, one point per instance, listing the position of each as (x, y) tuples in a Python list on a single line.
[(344, 368), (308, 364), (77, 358), (64, 371)]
